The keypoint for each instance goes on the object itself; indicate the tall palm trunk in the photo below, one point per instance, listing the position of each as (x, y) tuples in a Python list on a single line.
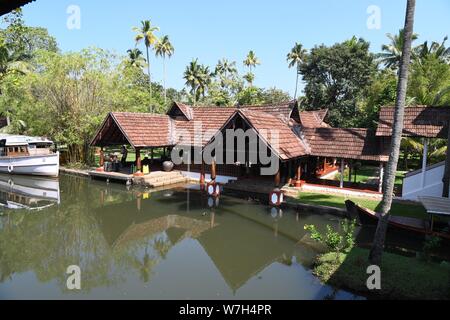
[(149, 75), (164, 80), (296, 83), (397, 130)]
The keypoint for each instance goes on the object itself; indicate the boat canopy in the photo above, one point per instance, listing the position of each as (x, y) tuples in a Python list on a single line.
[(16, 140)]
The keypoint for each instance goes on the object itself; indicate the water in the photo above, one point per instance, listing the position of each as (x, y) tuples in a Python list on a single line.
[(164, 245)]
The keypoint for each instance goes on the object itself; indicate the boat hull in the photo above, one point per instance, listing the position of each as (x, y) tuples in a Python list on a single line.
[(40, 165), (410, 226)]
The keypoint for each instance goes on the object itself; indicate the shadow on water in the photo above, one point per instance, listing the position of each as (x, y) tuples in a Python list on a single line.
[(172, 244)]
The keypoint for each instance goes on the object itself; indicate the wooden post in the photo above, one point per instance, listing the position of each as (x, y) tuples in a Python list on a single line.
[(446, 179), (289, 175), (202, 174), (152, 154), (138, 160), (213, 170), (380, 184), (298, 178), (342, 173), (278, 178), (102, 158)]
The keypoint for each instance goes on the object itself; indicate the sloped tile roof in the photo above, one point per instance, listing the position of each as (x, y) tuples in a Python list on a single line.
[(145, 130), (205, 120), (420, 121), (289, 145), (359, 144), (282, 110), (313, 119)]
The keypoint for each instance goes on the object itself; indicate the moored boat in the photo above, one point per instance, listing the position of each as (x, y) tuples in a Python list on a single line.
[(418, 227), (28, 156)]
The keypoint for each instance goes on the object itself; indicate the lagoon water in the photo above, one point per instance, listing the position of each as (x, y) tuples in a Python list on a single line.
[(170, 244)]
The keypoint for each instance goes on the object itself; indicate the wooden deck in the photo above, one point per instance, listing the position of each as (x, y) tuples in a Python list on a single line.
[(155, 179)]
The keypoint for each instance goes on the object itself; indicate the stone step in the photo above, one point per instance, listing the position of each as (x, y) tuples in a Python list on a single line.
[(178, 180)]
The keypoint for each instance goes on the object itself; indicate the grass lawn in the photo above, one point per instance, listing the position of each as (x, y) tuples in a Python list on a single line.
[(401, 277), (398, 209), (364, 173)]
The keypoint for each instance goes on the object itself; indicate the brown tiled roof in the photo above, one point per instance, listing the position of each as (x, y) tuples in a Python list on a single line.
[(313, 119), (420, 121), (7, 6), (282, 110), (359, 144), (289, 144), (145, 130), (209, 119)]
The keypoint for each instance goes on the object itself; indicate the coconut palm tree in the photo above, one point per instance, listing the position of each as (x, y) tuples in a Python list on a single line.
[(198, 78), (397, 131), (147, 33), (164, 48), (225, 68), (251, 62), (438, 50), (295, 58), (135, 58), (392, 53)]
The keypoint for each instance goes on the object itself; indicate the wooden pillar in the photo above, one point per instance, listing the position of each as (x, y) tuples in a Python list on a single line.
[(138, 159), (342, 173), (102, 158), (380, 184), (298, 175), (278, 178), (152, 154), (289, 175), (424, 162), (202, 174), (350, 170), (446, 179), (213, 170)]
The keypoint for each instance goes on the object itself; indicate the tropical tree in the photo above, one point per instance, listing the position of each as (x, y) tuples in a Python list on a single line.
[(295, 58), (146, 33), (437, 50), (198, 78), (397, 131), (251, 62), (164, 48), (225, 68), (135, 58), (392, 53)]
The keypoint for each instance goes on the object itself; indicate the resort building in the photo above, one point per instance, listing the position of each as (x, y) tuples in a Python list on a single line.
[(307, 148)]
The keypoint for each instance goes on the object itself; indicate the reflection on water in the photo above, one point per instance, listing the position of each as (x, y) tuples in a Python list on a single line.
[(20, 192), (163, 245)]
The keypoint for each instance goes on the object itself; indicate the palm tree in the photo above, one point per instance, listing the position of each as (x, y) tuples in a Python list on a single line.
[(295, 58), (251, 62), (164, 48), (392, 54), (438, 50), (225, 67), (198, 78), (147, 33), (397, 130), (135, 58)]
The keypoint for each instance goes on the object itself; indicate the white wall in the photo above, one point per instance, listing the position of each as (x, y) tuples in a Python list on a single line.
[(414, 185)]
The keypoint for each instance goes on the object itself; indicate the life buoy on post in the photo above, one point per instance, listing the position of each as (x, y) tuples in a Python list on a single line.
[(10, 168), (213, 189), (276, 198)]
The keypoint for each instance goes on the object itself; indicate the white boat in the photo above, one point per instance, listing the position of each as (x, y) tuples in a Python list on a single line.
[(28, 156)]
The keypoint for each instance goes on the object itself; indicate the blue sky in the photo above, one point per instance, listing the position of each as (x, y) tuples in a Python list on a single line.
[(210, 30)]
